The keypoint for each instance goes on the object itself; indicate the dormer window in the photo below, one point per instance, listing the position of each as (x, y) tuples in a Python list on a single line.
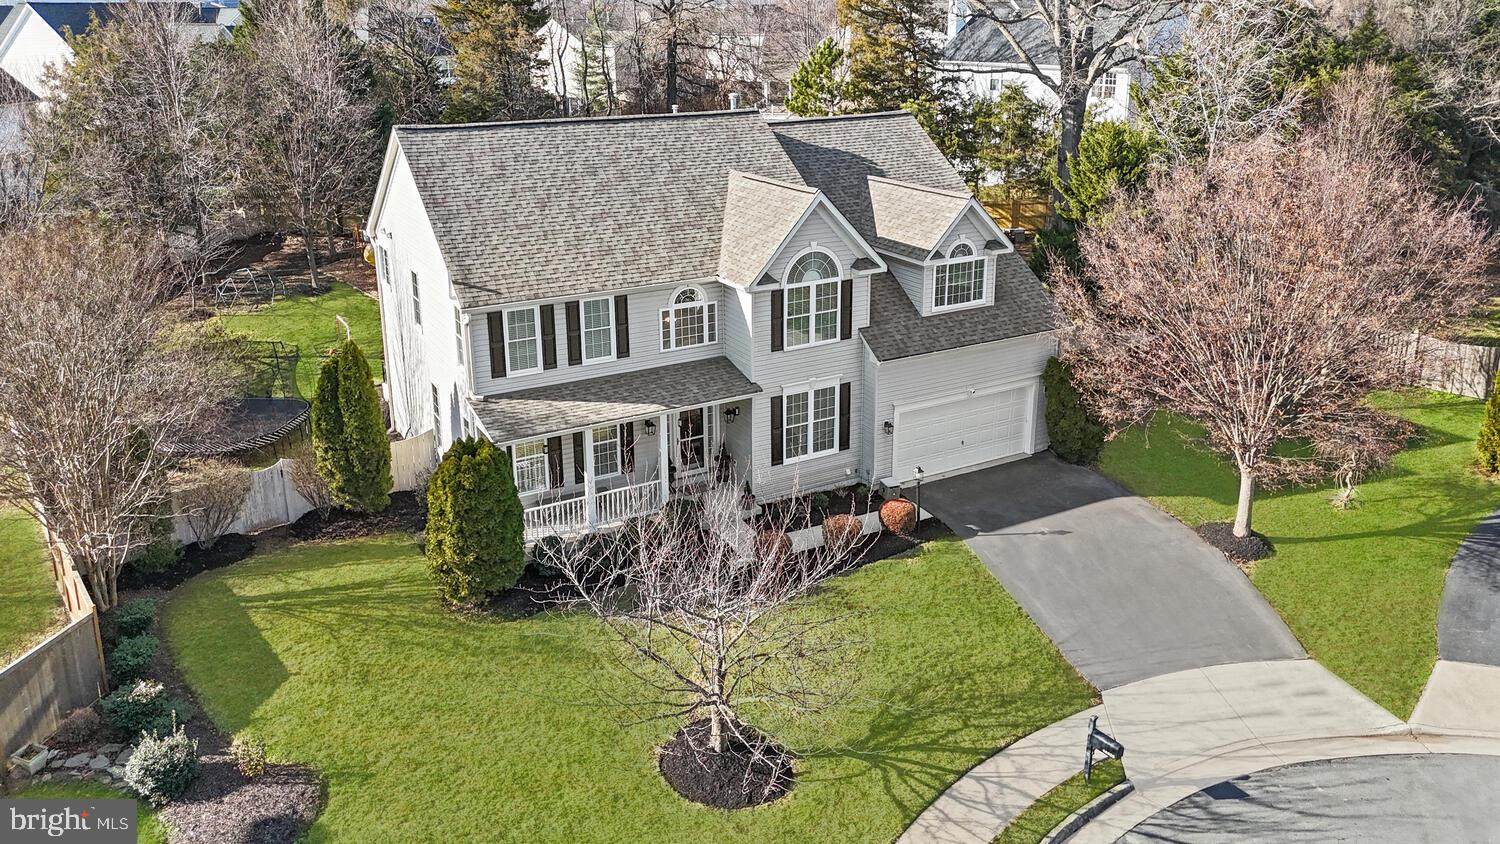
[(690, 320), (812, 301), (959, 279)]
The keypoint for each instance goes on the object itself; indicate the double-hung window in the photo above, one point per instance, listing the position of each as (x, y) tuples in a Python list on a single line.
[(598, 330), (458, 334), (692, 320), (812, 301), (959, 280), (523, 349), (809, 424), (384, 264), (416, 298), (607, 451), (1105, 88), (530, 467)]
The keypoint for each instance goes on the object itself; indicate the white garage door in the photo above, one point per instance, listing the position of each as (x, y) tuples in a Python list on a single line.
[(964, 431)]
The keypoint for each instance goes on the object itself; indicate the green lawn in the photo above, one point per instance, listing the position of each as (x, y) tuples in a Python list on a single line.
[(1483, 329), (1360, 588), (1055, 806), (149, 828), (29, 603), (438, 728), (307, 322)]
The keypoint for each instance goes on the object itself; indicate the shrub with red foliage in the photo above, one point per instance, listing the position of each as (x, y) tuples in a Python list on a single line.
[(899, 516)]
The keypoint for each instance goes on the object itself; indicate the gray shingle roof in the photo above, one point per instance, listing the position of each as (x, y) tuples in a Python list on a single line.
[(914, 216), (897, 330), (565, 207), (838, 155), (542, 411), (981, 40), (758, 215)]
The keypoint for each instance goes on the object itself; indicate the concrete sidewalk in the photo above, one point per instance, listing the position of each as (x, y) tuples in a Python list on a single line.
[(987, 798), (1461, 698)]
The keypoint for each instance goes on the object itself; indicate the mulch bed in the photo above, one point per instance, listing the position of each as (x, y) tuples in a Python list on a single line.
[(883, 545), (802, 512), (736, 778), (405, 515), (1242, 550), (230, 549), (533, 594)]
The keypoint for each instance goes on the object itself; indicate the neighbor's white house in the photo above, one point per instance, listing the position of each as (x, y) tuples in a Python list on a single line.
[(630, 305), (33, 36)]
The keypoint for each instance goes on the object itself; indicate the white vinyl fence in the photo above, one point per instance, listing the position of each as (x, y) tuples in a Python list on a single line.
[(273, 499)]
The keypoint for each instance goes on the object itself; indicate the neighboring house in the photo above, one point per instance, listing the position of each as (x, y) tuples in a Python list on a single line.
[(561, 52), (33, 36), (979, 54), (632, 304)]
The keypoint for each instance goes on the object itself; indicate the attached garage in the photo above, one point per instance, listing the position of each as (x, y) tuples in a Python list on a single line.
[(972, 428)]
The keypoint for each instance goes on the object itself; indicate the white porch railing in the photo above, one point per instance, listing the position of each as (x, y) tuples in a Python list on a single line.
[(571, 516)]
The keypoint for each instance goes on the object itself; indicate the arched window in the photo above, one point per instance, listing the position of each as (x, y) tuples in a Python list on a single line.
[(691, 320), (958, 279), (811, 300)]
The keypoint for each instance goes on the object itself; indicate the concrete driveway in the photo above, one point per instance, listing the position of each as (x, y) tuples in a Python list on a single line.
[(1126, 591)]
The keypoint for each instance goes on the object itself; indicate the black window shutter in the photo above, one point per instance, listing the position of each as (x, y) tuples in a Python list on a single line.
[(496, 322), (549, 337), (846, 390), (578, 457), (776, 430), (622, 326), (778, 304), (575, 336), (554, 462), (627, 437), (846, 308)]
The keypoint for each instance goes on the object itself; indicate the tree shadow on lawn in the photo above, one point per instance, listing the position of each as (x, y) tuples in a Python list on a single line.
[(921, 740), (251, 667)]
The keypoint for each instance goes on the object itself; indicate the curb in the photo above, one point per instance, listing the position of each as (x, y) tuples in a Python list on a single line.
[(1093, 809)]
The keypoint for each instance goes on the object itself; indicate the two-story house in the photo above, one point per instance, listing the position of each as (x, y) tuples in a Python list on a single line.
[(630, 304)]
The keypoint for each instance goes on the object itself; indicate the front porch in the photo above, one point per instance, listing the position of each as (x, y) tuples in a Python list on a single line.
[(586, 465)]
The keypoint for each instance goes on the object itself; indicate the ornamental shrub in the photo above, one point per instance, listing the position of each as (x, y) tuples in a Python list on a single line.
[(144, 707), (1488, 444), (841, 531), (899, 516), (162, 768), (348, 433), (249, 756), (81, 728), (1077, 435), (773, 548), (131, 658), (475, 535), (134, 617)]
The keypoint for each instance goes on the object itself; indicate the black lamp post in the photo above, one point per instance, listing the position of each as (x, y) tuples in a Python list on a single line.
[(920, 473)]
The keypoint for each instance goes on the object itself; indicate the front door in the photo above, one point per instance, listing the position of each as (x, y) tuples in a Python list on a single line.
[(692, 441)]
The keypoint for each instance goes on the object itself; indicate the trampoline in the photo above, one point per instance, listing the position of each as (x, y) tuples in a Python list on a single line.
[(248, 424)]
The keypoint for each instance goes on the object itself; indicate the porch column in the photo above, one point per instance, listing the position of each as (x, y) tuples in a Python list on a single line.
[(591, 512), (661, 459)]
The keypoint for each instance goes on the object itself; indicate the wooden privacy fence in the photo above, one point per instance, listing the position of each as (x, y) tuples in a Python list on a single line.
[(62, 673), (1016, 211), (1463, 369)]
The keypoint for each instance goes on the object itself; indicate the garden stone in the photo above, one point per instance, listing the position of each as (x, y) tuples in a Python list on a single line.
[(47, 777), (99, 763), (57, 762), (111, 749), (124, 757), (77, 760), (117, 771)]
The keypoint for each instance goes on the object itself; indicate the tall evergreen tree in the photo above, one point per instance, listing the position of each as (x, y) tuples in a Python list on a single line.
[(1111, 156), (495, 60), (475, 535), (1488, 444), (818, 82), (893, 54), (349, 442), (594, 74)]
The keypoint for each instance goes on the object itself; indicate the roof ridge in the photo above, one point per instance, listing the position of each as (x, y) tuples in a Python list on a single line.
[(770, 181), (964, 195), (831, 117), (572, 121)]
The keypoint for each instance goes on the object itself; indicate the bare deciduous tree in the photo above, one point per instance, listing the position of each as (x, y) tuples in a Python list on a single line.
[(310, 483), (140, 129), (208, 494), (1083, 40), (1263, 294), (1221, 85), (405, 43), (97, 381), (703, 607), (315, 124)]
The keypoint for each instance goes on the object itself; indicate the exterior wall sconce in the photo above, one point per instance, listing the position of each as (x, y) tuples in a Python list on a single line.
[(889, 427), (731, 414), (650, 427)]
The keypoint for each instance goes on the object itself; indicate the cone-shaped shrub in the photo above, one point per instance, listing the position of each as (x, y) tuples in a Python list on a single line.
[(1076, 434), (349, 443), (475, 535), (1489, 432)]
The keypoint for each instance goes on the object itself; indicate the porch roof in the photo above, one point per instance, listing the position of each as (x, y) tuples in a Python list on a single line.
[(608, 399)]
